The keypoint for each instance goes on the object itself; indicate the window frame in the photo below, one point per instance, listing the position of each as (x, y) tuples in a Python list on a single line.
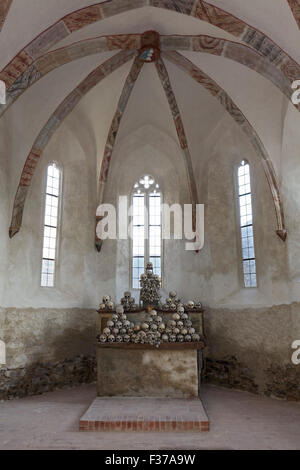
[(241, 273), (58, 230), (146, 232)]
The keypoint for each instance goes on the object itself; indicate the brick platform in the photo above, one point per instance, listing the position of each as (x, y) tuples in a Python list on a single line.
[(145, 415)]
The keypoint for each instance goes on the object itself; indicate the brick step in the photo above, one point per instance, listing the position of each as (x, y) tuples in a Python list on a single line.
[(135, 414)]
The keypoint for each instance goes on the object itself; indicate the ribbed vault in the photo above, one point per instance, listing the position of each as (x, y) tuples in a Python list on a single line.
[(249, 47)]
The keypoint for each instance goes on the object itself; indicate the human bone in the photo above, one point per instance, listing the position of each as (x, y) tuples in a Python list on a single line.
[(188, 338), (154, 327), (173, 338), (123, 331), (120, 309), (173, 307), (126, 339), (165, 338), (110, 305), (176, 331), (180, 310), (190, 304), (179, 324), (173, 295), (115, 331), (153, 313), (119, 324), (127, 295), (176, 317), (106, 299), (180, 338), (145, 326), (161, 327), (110, 324), (119, 339), (102, 307), (183, 331), (158, 320), (103, 338), (111, 339), (137, 327), (106, 331), (191, 331), (171, 323), (114, 317), (195, 338)]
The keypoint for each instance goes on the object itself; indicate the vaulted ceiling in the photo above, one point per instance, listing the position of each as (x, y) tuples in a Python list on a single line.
[(210, 59)]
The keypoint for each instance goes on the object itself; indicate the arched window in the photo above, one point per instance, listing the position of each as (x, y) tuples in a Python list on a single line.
[(146, 245), (246, 224), (51, 221)]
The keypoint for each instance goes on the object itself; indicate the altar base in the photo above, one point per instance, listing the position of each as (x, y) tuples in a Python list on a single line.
[(145, 415)]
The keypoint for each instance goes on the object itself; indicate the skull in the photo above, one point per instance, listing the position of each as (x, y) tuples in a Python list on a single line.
[(145, 326), (171, 324), (179, 324), (188, 323), (183, 331), (169, 301), (110, 324), (195, 338), (131, 301), (123, 302), (123, 317), (190, 305), (158, 320), (169, 331), (115, 331), (106, 299), (143, 277), (126, 324), (126, 339), (132, 325), (180, 310), (110, 305), (192, 331), (184, 316), (119, 339), (123, 331), (180, 338), (154, 327), (153, 314), (130, 331), (173, 307), (188, 338), (115, 317), (173, 295), (102, 338), (102, 307), (165, 338), (176, 317), (162, 328), (127, 295), (199, 305), (133, 338), (137, 327), (173, 339), (111, 339), (106, 331), (176, 331), (120, 309), (119, 324)]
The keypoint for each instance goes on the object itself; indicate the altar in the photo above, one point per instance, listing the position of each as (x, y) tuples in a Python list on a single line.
[(149, 363)]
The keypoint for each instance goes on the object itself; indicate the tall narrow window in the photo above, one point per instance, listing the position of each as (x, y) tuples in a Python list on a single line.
[(146, 231), (246, 224), (51, 225)]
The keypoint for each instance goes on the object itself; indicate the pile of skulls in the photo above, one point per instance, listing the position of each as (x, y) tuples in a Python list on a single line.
[(150, 287), (128, 302), (118, 329), (171, 302), (107, 304), (150, 331), (180, 328)]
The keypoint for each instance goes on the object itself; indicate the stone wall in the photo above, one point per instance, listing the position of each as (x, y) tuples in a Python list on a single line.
[(46, 350), (250, 349)]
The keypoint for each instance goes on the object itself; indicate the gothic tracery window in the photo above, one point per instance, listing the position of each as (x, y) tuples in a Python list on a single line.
[(146, 245)]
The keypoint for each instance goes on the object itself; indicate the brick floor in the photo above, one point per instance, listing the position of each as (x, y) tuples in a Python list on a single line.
[(145, 415)]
